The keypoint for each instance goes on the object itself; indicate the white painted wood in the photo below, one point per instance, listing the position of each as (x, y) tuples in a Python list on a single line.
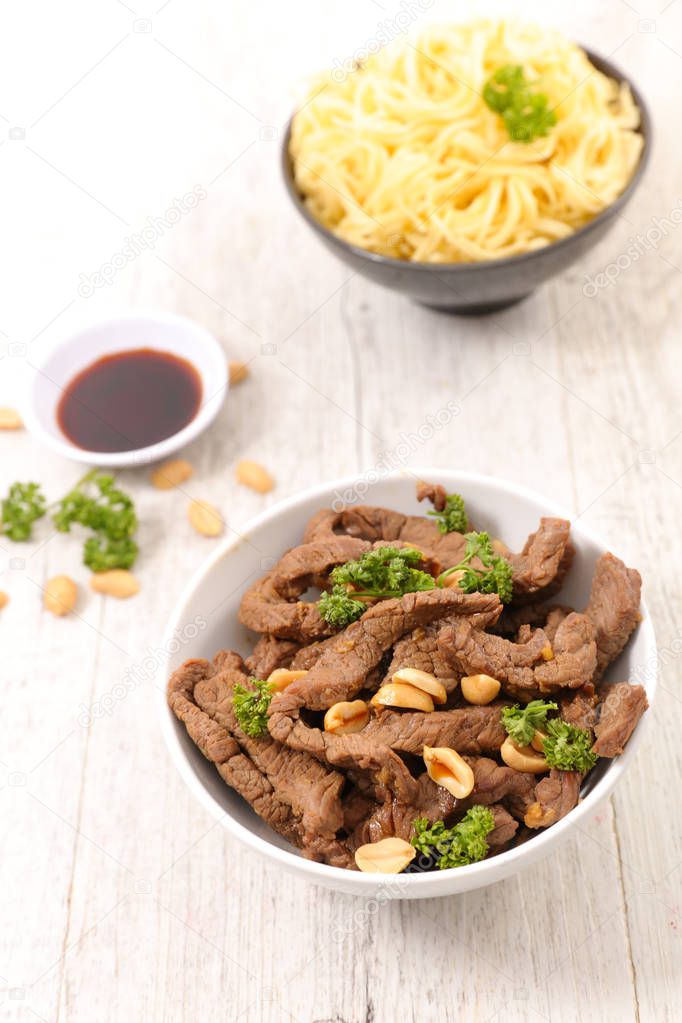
[(121, 899)]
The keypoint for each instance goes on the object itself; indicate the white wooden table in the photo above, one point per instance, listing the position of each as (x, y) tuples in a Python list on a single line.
[(120, 898)]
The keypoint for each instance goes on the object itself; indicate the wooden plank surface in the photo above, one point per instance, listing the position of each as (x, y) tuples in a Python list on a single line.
[(121, 898)]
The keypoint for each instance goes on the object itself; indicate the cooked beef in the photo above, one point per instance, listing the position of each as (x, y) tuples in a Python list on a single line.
[(297, 795), (548, 617), (432, 492), (555, 796), (271, 653), (523, 667), (420, 650), (340, 672), (495, 783), (504, 830), (579, 707), (395, 816), (541, 566), (620, 708), (271, 605), (613, 607)]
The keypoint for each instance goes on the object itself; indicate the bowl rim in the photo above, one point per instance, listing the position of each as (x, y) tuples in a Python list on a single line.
[(472, 266), (429, 883), (195, 333)]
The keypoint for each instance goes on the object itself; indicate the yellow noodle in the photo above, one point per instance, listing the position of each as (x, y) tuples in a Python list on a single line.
[(404, 158)]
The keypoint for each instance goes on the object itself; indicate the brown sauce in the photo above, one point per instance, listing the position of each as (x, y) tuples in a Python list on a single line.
[(129, 400)]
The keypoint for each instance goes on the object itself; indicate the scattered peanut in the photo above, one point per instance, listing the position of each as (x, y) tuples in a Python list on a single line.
[(60, 596), (205, 518), (399, 694), (4, 599), (171, 474), (280, 678), (547, 652), (538, 816), (254, 475), (116, 582), (423, 680), (238, 372), (500, 547), (346, 718), (389, 856), (479, 689), (523, 758), (10, 419), (448, 769), (452, 581)]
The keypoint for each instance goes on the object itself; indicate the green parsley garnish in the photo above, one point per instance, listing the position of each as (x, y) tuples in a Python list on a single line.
[(378, 575), (19, 510), (522, 723), (494, 577), (455, 847), (453, 518), (567, 747), (251, 706), (526, 114), (97, 504)]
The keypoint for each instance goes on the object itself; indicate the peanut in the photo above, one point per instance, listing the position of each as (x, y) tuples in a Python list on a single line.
[(116, 582), (205, 518), (4, 599), (171, 474), (448, 769), (10, 419), (346, 718), (479, 689), (389, 856), (238, 372), (523, 758), (538, 816), (538, 741), (60, 596), (500, 547), (422, 680), (399, 694), (254, 475), (280, 678), (452, 580), (547, 653)]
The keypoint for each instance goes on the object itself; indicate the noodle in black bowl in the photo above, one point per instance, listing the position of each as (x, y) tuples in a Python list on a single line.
[(486, 286)]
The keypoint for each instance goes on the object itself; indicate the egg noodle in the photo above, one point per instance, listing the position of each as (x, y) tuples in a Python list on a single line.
[(404, 158)]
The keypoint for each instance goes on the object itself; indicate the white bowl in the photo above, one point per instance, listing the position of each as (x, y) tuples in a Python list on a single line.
[(205, 620), (60, 362)]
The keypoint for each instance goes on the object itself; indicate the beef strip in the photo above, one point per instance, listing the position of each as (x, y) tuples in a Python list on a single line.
[(522, 668), (548, 617), (271, 604), (271, 653), (395, 817), (555, 796), (541, 566), (494, 783), (420, 650), (578, 708), (613, 607), (504, 830), (620, 708), (432, 492), (340, 672), (299, 797)]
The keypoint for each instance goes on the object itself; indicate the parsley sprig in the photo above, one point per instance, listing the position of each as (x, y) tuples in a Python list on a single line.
[(378, 575), (455, 847), (567, 747), (251, 706), (453, 517), (99, 505), (526, 114), (521, 723), (25, 504), (494, 577)]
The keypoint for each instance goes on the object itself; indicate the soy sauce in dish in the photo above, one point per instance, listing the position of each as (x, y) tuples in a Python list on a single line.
[(129, 400)]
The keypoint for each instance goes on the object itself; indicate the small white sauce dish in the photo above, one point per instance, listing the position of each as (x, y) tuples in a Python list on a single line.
[(57, 366)]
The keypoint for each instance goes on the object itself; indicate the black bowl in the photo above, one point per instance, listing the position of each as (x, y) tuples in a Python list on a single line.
[(483, 287)]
